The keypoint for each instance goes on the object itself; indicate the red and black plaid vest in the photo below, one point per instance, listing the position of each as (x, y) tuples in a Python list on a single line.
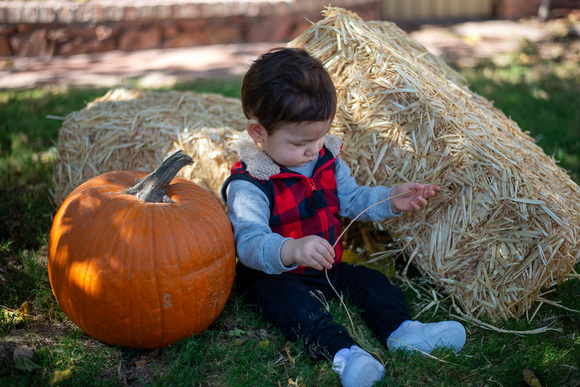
[(301, 206)]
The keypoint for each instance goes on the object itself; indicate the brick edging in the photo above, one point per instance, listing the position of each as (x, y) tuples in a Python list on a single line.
[(59, 28), (59, 12)]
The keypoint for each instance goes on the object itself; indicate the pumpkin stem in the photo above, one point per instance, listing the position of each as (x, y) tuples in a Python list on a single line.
[(152, 188)]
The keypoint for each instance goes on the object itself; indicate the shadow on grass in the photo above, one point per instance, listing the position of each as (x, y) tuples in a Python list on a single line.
[(27, 138)]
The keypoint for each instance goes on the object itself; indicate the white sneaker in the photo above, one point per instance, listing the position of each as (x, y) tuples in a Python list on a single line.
[(414, 335), (360, 369)]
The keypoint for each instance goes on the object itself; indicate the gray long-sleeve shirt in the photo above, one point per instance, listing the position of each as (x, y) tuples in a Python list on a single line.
[(249, 211)]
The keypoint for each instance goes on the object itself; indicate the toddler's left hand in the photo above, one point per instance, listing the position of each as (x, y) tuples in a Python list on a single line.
[(413, 196)]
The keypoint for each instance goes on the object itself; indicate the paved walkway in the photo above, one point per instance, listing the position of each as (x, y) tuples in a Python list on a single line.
[(157, 68), (151, 68)]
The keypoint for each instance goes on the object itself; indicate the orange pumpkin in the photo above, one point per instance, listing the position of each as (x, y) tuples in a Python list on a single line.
[(143, 266)]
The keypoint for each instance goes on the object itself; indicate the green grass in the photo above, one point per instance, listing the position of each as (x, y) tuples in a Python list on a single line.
[(542, 99), (240, 348), (27, 140)]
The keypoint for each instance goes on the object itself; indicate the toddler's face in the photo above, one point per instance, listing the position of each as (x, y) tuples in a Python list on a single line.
[(295, 144)]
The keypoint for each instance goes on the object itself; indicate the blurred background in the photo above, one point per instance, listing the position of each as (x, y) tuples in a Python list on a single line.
[(65, 41)]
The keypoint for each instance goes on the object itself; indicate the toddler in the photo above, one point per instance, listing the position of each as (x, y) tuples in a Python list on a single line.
[(285, 200)]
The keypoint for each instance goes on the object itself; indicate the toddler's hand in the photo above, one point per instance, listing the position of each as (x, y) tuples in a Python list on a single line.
[(413, 196), (311, 251)]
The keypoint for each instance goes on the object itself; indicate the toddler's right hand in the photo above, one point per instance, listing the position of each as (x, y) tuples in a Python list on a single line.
[(311, 251)]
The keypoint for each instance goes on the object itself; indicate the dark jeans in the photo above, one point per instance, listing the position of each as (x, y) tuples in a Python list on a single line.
[(287, 301)]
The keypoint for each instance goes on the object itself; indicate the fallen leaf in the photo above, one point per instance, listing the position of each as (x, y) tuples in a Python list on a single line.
[(298, 383), (25, 364), (16, 316), (23, 351), (349, 256), (287, 349), (530, 378), (239, 342), (264, 344), (368, 240), (237, 332), (153, 354), (58, 377), (141, 363), (23, 356), (23, 310), (390, 271)]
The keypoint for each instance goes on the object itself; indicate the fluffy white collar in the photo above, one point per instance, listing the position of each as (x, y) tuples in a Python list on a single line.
[(261, 166)]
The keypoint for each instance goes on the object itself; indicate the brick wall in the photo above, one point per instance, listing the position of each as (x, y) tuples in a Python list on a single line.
[(65, 27), (49, 28), (565, 4), (514, 9)]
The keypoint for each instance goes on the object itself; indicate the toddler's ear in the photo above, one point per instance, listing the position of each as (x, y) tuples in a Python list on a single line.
[(256, 131)]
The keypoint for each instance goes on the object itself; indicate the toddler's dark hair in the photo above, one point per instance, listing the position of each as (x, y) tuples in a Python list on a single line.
[(288, 85)]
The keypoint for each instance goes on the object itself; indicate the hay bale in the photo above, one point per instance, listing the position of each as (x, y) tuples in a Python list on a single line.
[(128, 129), (506, 223)]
